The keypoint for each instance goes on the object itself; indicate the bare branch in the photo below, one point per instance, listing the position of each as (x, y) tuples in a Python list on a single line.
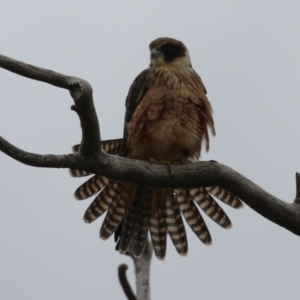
[(124, 282), (297, 199), (35, 73), (142, 272), (80, 90)]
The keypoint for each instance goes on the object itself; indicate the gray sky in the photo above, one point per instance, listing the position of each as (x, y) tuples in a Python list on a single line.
[(248, 55)]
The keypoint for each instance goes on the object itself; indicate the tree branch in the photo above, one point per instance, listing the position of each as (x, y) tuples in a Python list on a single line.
[(142, 272), (81, 92), (124, 282), (297, 199), (200, 174)]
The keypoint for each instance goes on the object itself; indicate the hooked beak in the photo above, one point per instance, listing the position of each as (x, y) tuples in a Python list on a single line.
[(155, 53)]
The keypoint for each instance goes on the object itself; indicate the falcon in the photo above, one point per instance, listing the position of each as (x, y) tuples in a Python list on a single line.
[(167, 120)]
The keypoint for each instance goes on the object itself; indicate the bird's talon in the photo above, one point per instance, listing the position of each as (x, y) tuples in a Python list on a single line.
[(162, 162), (153, 161)]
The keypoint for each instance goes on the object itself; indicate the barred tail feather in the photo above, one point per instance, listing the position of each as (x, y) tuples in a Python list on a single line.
[(116, 147), (127, 228), (175, 226), (74, 172), (140, 232), (193, 216), (158, 232), (78, 173), (113, 218), (210, 207), (91, 187), (225, 196), (101, 202)]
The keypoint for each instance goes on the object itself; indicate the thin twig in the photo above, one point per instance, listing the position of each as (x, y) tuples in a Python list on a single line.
[(297, 198), (81, 92), (124, 282)]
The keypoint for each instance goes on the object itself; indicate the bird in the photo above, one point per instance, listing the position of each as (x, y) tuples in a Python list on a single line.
[(168, 118)]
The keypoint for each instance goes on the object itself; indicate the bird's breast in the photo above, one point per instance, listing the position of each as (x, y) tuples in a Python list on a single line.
[(165, 126)]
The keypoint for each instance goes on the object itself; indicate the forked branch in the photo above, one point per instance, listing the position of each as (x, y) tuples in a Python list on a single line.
[(81, 92)]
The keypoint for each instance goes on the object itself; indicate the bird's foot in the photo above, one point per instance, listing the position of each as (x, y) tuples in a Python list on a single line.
[(162, 162)]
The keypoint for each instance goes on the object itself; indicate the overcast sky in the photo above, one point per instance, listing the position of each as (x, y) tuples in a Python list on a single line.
[(248, 55)]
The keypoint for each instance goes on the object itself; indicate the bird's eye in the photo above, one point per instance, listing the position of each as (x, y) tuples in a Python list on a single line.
[(168, 47)]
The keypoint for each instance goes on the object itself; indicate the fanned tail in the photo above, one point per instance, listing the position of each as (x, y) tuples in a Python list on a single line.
[(132, 209), (116, 147), (210, 207), (225, 196), (193, 216)]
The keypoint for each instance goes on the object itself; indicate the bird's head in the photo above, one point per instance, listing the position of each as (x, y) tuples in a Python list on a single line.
[(169, 52)]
